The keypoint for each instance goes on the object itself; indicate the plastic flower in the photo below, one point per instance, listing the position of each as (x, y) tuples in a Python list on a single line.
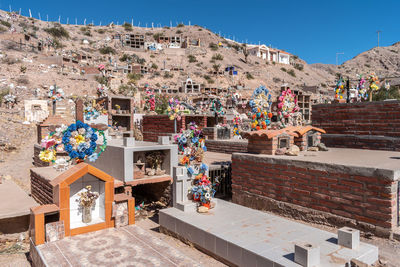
[(47, 155), (79, 139), (93, 157)]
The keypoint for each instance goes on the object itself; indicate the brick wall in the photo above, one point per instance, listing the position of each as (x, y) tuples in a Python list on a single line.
[(332, 197), (367, 125), (41, 189), (228, 147)]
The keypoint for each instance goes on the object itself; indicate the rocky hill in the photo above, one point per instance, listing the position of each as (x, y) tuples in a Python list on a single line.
[(384, 61), (25, 69)]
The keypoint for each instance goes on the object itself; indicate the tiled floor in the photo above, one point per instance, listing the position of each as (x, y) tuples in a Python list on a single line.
[(126, 246)]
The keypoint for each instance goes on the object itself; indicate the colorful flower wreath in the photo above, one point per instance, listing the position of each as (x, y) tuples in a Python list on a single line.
[(191, 145), (56, 93), (237, 120), (260, 108), (339, 89), (287, 105), (217, 107), (78, 140), (362, 91), (150, 98), (174, 109)]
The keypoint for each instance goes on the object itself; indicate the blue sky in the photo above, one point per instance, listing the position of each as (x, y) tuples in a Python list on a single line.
[(315, 30)]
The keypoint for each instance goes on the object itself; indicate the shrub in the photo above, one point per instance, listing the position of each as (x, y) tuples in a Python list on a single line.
[(127, 27), (127, 89), (249, 76), (101, 80), (22, 69), (299, 67), (3, 92), (276, 80), (107, 50), (180, 25), (168, 75), (101, 31), (5, 23), (157, 35), (323, 85), (192, 59), (217, 57), (216, 67), (200, 29), (178, 32), (125, 57), (283, 69), (154, 66), (213, 46), (2, 29), (22, 80), (135, 76), (152, 56), (58, 31), (292, 73)]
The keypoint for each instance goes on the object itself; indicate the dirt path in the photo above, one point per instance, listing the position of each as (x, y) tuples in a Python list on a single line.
[(17, 163)]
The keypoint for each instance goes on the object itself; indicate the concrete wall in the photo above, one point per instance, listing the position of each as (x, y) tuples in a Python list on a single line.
[(366, 125), (327, 194)]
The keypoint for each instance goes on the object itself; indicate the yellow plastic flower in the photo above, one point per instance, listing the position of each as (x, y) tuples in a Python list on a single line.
[(169, 109), (47, 155), (171, 117), (79, 139)]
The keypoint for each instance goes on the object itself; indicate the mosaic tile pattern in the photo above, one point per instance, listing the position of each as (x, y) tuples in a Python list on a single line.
[(126, 246)]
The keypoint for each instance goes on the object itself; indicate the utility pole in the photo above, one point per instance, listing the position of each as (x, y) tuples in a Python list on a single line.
[(378, 32), (337, 56)]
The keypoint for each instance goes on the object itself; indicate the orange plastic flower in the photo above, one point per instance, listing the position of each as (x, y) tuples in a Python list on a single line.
[(270, 115), (258, 128)]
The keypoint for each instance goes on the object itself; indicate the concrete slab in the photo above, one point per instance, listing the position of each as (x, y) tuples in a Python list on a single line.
[(126, 246), (356, 161), (247, 237), (14, 202)]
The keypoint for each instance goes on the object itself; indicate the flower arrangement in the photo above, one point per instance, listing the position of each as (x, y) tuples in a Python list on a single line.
[(87, 198), (217, 107), (362, 91), (191, 145), (373, 84), (174, 109), (55, 93), (92, 110), (202, 190), (237, 120), (287, 105), (260, 108), (102, 90), (339, 89), (150, 98), (77, 139), (10, 99)]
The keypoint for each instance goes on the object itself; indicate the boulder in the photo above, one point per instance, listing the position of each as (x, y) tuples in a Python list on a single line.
[(322, 147), (293, 151), (280, 151), (312, 148), (202, 209)]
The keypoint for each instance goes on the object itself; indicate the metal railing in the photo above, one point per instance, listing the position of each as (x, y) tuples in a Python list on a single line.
[(221, 176)]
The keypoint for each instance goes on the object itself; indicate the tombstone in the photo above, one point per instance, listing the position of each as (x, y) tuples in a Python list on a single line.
[(36, 110), (181, 186)]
